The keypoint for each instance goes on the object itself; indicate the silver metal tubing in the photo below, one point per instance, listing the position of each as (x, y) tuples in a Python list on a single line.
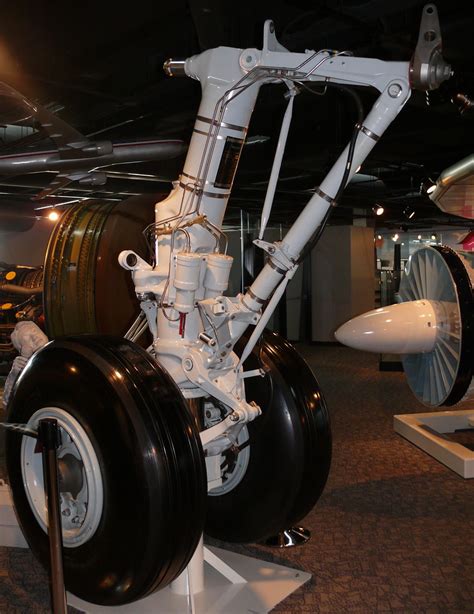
[(324, 195), (221, 124), (368, 132), (256, 298)]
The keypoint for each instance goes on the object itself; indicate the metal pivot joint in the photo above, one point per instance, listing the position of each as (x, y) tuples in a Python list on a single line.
[(428, 68)]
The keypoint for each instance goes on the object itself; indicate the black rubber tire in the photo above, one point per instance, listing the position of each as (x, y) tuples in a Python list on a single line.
[(290, 449), (152, 463)]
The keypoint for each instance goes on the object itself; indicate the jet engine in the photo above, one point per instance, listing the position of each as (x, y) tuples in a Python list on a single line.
[(432, 327)]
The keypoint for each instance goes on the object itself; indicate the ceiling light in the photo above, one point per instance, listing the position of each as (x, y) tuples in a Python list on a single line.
[(434, 237), (395, 237), (53, 216), (378, 209), (419, 237), (379, 237), (409, 212)]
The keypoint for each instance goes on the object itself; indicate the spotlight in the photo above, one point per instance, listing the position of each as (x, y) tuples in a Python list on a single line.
[(395, 237), (434, 237), (409, 212), (378, 209), (53, 216), (419, 237), (379, 237)]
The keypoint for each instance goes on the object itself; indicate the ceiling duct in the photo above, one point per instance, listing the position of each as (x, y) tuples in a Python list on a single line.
[(454, 192)]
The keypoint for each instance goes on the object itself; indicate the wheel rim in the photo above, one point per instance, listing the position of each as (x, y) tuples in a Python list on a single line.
[(234, 471), (81, 510)]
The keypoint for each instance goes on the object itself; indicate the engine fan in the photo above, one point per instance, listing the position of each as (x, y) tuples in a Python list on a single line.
[(432, 327)]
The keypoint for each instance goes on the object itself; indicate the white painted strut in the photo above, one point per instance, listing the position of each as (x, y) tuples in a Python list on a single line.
[(272, 184), (405, 328)]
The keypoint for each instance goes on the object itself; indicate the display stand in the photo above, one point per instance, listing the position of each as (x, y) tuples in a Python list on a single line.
[(427, 431), (233, 584)]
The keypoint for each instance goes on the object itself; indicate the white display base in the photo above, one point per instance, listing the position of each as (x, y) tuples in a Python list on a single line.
[(267, 584), (426, 431), (248, 584), (10, 533)]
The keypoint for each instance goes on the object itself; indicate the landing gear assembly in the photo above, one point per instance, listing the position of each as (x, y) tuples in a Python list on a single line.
[(211, 428)]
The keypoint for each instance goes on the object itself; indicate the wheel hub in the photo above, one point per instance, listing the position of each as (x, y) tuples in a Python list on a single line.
[(80, 478)]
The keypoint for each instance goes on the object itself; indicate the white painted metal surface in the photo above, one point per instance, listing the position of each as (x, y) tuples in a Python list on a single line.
[(427, 431), (10, 533), (405, 328)]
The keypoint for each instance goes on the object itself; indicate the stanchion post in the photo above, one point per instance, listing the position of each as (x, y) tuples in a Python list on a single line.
[(49, 439)]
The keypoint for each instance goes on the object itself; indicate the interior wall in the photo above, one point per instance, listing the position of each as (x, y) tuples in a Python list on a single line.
[(27, 247), (343, 278)]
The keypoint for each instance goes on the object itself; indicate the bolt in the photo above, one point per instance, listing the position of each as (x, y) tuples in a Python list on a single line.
[(223, 354), (76, 520), (271, 249), (187, 364), (394, 90), (131, 260), (234, 417), (66, 512), (228, 345)]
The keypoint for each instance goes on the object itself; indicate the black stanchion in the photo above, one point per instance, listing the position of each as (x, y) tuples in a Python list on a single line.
[(49, 439)]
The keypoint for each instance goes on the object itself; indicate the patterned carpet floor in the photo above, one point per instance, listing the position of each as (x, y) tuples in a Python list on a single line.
[(393, 531)]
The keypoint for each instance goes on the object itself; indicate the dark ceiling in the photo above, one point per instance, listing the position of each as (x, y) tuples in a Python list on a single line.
[(98, 64)]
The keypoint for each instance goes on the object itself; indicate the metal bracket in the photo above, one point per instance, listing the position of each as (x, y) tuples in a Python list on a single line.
[(223, 384), (280, 260), (217, 316), (270, 41), (428, 68)]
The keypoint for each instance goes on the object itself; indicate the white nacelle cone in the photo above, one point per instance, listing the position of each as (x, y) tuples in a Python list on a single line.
[(405, 328)]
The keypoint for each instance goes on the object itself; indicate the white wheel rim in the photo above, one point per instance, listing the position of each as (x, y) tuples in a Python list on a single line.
[(81, 515), (233, 478)]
